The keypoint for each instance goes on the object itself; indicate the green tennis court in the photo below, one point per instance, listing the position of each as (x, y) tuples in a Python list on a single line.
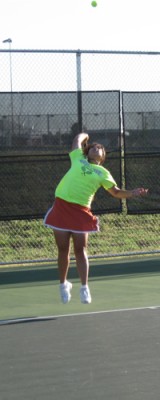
[(106, 350), (33, 291)]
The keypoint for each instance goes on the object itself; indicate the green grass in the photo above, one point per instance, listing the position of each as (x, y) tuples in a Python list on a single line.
[(119, 233), (108, 294)]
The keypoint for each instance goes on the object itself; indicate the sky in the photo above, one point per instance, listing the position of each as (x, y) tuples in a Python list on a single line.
[(75, 24)]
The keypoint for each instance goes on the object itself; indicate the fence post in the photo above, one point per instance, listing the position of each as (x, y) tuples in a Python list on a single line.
[(79, 92)]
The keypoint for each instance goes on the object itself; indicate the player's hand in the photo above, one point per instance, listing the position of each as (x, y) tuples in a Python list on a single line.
[(139, 192)]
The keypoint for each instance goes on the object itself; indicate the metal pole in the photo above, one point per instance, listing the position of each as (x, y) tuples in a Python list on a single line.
[(79, 92), (78, 62), (9, 41), (11, 86)]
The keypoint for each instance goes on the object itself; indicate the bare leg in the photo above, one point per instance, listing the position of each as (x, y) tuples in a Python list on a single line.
[(80, 249), (62, 239)]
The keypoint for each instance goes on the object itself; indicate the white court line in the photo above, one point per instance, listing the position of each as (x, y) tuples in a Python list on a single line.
[(52, 317)]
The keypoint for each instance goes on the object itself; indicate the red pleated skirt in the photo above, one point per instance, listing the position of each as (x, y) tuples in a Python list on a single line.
[(71, 217)]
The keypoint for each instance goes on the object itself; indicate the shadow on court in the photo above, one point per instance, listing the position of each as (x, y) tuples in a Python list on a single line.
[(110, 355)]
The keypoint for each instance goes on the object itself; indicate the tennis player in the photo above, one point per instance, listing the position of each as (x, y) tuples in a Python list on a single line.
[(71, 216)]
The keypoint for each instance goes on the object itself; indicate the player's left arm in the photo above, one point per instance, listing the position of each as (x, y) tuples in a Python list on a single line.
[(127, 194), (80, 140)]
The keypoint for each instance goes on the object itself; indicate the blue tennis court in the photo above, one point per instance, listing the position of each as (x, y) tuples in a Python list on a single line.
[(109, 349), (111, 355)]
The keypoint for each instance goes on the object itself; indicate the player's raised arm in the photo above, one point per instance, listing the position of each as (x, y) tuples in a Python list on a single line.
[(80, 140), (127, 194)]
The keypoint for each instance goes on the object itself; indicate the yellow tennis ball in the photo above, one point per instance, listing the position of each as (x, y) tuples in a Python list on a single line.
[(94, 4)]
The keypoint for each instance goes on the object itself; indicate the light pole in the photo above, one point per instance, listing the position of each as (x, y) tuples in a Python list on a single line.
[(9, 41)]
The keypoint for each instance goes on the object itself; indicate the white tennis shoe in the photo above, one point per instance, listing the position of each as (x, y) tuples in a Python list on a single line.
[(65, 291), (85, 295)]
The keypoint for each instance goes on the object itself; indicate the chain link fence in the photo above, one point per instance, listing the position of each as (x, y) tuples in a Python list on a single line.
[(46, 98)]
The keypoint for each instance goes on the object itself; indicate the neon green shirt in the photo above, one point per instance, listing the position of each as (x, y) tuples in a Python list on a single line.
[(82, 181)]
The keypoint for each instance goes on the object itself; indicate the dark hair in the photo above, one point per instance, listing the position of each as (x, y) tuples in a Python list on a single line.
[(87, 147)]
